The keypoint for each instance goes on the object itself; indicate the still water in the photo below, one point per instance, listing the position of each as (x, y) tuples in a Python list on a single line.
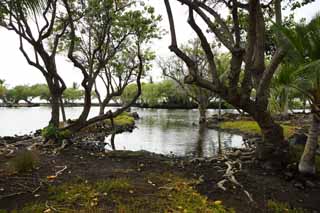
[(159, 130)]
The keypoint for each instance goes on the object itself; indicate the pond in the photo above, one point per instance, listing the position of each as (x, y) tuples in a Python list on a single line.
[(159, 130)]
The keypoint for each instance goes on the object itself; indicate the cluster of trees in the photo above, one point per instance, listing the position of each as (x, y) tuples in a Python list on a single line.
[(107, 42), (28, 93), (166, 92), (256, 53)]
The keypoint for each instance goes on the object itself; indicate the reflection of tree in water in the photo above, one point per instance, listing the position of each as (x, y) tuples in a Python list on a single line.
[(201, 140), (219, 151), (227, 141)]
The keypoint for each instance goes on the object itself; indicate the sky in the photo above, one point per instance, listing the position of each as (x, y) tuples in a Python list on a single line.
[(16, 71)]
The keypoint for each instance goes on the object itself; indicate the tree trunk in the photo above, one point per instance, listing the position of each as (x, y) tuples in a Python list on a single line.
[(64, 118), (200, 141), (114, 132), (203, 116), (55, 108), (219, 110), (286, 104), (307, 161), (273, 147), (87, 105)]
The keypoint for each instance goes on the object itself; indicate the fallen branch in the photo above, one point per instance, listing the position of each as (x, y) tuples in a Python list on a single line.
[(11, 195)]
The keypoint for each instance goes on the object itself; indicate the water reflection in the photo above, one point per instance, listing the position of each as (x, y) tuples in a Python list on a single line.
[(173, 132), (159, 130)]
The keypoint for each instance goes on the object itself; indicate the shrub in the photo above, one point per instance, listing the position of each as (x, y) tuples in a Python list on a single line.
[(24, 161), (52, 132)]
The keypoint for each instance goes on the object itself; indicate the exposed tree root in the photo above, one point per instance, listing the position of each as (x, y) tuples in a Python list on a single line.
[(232, 168)]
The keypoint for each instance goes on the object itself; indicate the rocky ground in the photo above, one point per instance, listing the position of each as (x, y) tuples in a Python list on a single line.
[(80, 178)]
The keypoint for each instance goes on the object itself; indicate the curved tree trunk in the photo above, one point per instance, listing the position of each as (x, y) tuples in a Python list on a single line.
[(273, 146), (307, 161)]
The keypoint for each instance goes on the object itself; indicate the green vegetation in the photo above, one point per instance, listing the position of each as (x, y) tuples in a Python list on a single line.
[(253, 128), (24, 162), (175, 194), (280, 207), (54, 133), (124, 119)]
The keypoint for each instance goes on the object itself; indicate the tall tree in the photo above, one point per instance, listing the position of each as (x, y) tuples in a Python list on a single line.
[(247, 60), (33, 21), (99, 30), (304, 58)]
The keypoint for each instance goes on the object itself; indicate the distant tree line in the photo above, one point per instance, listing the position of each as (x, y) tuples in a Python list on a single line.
[(28, 93)]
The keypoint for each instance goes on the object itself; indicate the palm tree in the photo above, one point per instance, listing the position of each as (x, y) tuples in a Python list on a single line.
[(281, 88), (305, 54)]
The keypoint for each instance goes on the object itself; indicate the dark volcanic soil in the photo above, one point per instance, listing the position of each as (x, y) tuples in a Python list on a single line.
[(17, 190)]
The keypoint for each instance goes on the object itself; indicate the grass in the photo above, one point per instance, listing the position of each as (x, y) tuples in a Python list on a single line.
[(280, 207), (253, 128), (24, 161), (124, 119), (120, 195)]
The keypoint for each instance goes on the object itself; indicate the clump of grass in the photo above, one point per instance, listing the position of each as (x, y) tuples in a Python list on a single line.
[(280, 207), (24, 161), (108, 186), (253, 128), (74, 194)]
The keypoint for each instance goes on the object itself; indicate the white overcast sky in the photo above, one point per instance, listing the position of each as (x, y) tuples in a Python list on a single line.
[(15, 70)]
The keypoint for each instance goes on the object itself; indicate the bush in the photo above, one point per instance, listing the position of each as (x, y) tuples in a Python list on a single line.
[(24, 161), (52, 132)]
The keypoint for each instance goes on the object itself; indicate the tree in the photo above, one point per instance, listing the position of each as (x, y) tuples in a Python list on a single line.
[(20, 93), (99, 30), (70, 95), (281, 87), (305, 54), (175, 69), (3, 91), (33, 21), (118, 74), (247, 60), (41, 91)]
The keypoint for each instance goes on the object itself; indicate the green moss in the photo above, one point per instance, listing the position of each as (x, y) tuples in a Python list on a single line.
[(124, 119), (280, 207), (253, 128)]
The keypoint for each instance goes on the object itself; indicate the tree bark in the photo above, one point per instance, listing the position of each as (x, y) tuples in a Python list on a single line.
[(273, 146), (87, 106), (55, 110), (203, 114), (307, 161), (219, 109), (64, 117)]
